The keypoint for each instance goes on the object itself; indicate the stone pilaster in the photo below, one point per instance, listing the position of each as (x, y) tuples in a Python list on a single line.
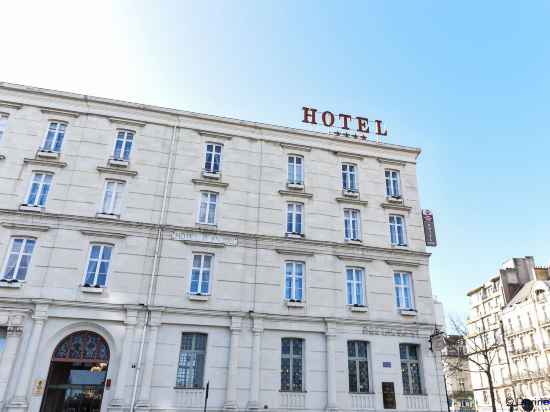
[(255, 366), (233, 367)]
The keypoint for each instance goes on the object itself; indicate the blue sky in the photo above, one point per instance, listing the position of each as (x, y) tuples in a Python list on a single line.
[(467, 81)]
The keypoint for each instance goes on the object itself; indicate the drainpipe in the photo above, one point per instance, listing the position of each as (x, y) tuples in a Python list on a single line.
[(154, 271)]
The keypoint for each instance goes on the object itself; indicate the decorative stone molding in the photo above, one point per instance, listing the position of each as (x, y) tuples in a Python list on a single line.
[(402, 263), (47, 154), (116, 235), (356, 258), (395, 206), (391, 331), (296, 252), (10, 105), (116, 171), (89, 289), (127, 122), (56, 112), (15, 330), (293, 146), (354, 156), (295, 194), (25, 226), (198, 298), (45, 162), (31, 208), (211, 183), (394, 162), (352, 201), (205, 239), (218, 135)]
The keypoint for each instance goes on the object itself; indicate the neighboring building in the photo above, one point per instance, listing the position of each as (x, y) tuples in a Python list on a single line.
[(148, 251), (457, 375), (492, 305)]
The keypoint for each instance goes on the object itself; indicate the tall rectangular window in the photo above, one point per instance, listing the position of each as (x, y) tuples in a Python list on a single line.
[(191, 361), (200, 274), (392, 184), (112, 197), (358, 367), (123, 144), (98, 265), (355, 286), (213, 158), (3, 335), (18, 259), (3, 124), (410, 369), (40, 187), (403, 290), (294, 221), (292, 365), (294, 281), (296, 170), (349, 177), (54, 137), (352, 224), (398, 235), (207, 208)]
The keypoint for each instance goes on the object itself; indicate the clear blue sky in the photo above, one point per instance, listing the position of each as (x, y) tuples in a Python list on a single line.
[(467, 81)]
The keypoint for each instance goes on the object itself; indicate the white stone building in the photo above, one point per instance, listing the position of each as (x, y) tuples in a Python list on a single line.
[(147, 251)]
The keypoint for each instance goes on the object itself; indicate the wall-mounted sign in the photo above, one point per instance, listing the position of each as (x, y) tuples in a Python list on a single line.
[(38, 388), (386, 364), (429, 228), (388, 395), (346, 125), (205, 238)]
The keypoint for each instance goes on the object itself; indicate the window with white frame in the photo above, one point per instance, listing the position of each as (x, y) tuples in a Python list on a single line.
[(207, 208), (295, 170), (292, 365), (112, 197), (294, 221), (352, 224), (54, 137), (190, 372), (213, 158), (18, 259), (398, 235), (349, 177), (355, 286), (410, 368), (123, 144), (3, 335), (3, 124), (358, 366), (40, 187), (392, 183), (403, 290), (200, 274), (99, 261), (294, 281)]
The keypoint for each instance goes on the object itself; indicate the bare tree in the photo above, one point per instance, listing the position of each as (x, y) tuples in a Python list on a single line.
[(475, 352)]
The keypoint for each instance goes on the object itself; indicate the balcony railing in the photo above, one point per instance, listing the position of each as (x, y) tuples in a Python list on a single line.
[(362, 401), (521, 351), (417, 402), (527, 329), (293, 400)]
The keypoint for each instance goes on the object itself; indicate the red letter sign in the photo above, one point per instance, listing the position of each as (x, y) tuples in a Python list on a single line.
[(309, 115), (345, 118), (362, 124), (379, 128), (330, 116)]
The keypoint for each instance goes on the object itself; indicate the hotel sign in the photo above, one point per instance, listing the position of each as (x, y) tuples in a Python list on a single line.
[(429, 228), (358, 127)]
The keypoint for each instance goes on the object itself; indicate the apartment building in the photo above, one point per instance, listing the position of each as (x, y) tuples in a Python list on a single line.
[(504, 315), (149, 253), (457, 376)]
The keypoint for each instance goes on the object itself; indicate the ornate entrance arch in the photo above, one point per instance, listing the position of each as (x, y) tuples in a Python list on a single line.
[(76, 378)]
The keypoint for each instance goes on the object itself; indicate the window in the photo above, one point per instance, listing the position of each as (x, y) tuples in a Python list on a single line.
[(296, 170), (3, 124), (397, 230), (54, 137), (200, 274), (292, 365), (207, 208), (123, 145), (294, 218), (112, 197), (3, 334), (403, 290), (213, 158), (40, 187), (358, 366), (18, 259), (294, 281), (392, 184), (191, 361), (349, 177), (410, 369), (352, 224), (355, 281), (98, 265)]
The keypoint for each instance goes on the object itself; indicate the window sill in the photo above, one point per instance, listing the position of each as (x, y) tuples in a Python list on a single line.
[(211, 175), (408, 312), (200, 298), (111, 216), (297, 392), (186, 388), (118, 162), (11, 285), (47, 154), (30, 208), (350, 193), (362, 309), (91, 289), (296, 304), (295, 235), (353, 241), (404, 246), (295, 186), (212, 226), (394, 199)]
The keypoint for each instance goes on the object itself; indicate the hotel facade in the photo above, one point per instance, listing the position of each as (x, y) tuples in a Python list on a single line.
[(148, 253)]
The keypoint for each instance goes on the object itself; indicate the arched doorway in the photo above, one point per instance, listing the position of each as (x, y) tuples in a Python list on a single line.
[(76, 378)]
